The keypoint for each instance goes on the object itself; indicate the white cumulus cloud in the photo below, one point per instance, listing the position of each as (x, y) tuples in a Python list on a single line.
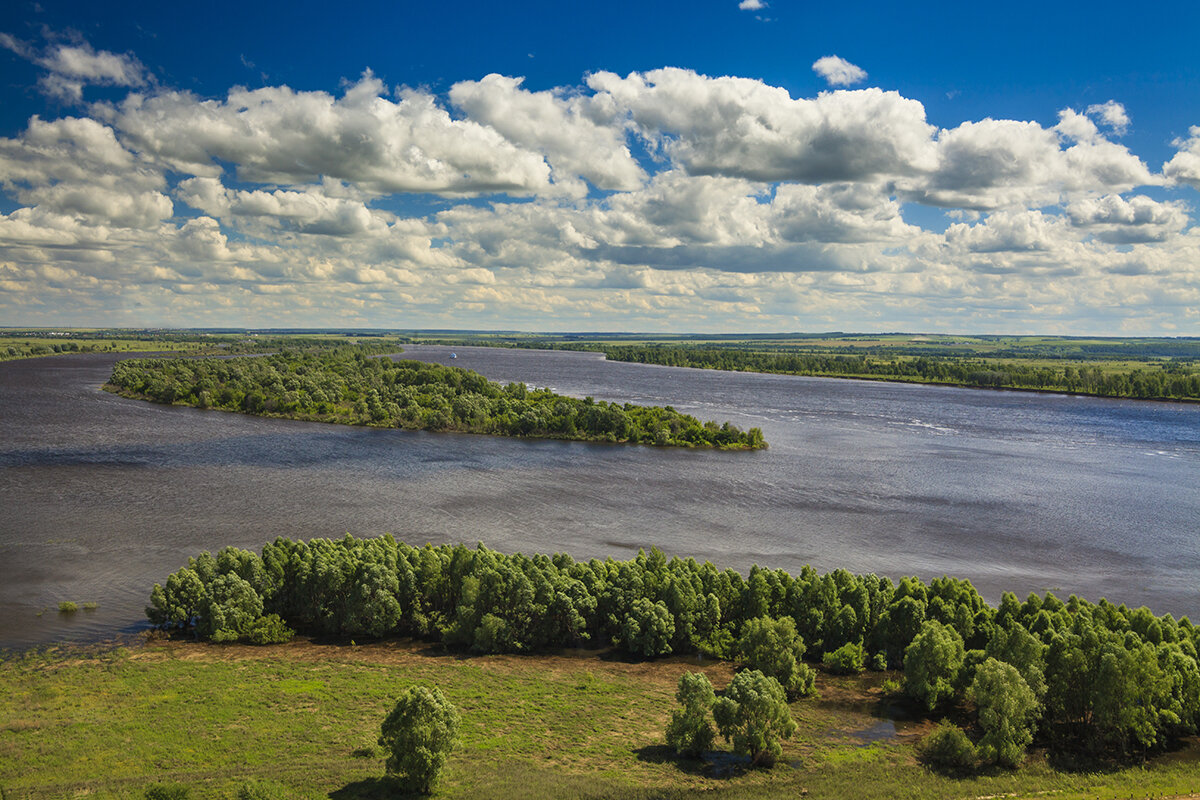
[(837, 71)]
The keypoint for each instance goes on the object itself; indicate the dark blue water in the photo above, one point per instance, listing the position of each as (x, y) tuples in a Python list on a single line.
[(100, 496)]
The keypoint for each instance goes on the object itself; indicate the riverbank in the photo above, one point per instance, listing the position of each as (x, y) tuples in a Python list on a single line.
[(303, 718)]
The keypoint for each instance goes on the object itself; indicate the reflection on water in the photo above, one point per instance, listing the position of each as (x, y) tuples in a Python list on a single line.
[(102, 496)]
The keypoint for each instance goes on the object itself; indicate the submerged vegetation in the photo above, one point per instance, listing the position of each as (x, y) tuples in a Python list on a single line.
[(1087, 681), (344, 385)]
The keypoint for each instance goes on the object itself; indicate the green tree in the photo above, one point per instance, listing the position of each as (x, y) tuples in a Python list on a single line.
[(846, 660), (947, 747), (690, 730), (773, 647), (1007, 708), (230, 609), (648, 628), (932, 662), (418, 736), (754, 716)]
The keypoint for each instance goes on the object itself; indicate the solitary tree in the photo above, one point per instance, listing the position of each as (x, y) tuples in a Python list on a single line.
[(754, 716), (419, 733), (690, 730)]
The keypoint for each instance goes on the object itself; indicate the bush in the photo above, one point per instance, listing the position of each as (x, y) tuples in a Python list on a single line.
[(947, 747), (67, 607), (167, 791), (418, 735), (270, 629), (846, 660)]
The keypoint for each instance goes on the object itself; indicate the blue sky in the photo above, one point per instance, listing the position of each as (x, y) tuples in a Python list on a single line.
[(1020, 167)]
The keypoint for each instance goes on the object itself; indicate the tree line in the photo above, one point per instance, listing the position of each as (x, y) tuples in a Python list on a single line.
[(1096, 679), (344, 385), (1175, 380)]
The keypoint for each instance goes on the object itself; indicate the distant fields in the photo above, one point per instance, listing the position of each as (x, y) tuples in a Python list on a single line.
[(1153, 368), (303, 718), (1135, 368)]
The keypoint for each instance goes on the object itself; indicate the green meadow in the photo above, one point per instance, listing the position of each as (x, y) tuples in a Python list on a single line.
[(302, 719)]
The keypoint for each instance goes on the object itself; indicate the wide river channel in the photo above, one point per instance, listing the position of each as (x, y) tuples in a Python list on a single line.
[(101, 496)]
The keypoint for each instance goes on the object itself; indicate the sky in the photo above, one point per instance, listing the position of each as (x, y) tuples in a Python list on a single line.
[(732, 166)]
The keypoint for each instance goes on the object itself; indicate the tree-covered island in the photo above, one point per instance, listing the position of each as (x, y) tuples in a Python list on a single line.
[(345, 385)]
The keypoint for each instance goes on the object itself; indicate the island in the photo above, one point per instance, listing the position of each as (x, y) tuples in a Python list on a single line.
[(346, 385)]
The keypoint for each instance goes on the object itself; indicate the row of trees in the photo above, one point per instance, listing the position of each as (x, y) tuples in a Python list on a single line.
[(1105, 679), (1174, 380), (344, 385)]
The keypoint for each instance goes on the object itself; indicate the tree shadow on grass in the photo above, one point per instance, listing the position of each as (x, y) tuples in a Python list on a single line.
[(713, 764), (370, 789)]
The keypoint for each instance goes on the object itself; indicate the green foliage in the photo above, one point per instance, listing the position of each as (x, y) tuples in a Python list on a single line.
[(947, 748), (753, 715), (262, 790), (846, 660), (648, 629), (773, 647), (269, 629), (1111, 682), (1155, 378), (67, 607), (1007, 710), (690, 730), (229, 608), (167, 791), (418, 735), (340, 385), (932, 663)]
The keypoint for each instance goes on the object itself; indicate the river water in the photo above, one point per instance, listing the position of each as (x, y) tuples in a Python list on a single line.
[(102, 496)]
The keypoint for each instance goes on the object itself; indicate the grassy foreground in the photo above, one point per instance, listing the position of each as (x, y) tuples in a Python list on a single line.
[(304, 718)]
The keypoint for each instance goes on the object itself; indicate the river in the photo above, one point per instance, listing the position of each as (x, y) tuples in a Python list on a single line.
[(102, 496)]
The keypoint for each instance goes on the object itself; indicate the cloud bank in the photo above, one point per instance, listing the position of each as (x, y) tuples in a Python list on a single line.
[(656, 200)]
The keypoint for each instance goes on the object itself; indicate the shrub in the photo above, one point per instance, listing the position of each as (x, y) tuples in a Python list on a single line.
[(167, 791), (67, 607), (418, 736), (270, 629), (846, 660), (947, 747)]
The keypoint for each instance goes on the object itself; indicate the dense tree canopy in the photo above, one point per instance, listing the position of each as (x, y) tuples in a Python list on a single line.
[(1104, 680), (1155, 379), (344, 385)]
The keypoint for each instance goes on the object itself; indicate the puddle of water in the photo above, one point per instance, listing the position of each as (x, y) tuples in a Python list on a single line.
[(722, 764)]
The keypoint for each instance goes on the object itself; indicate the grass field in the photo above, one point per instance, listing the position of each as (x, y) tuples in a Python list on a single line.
[(303, 718)]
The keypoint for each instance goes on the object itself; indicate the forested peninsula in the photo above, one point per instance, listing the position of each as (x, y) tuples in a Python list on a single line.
[(344, 385), (1149, 381), (1085, 680)]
